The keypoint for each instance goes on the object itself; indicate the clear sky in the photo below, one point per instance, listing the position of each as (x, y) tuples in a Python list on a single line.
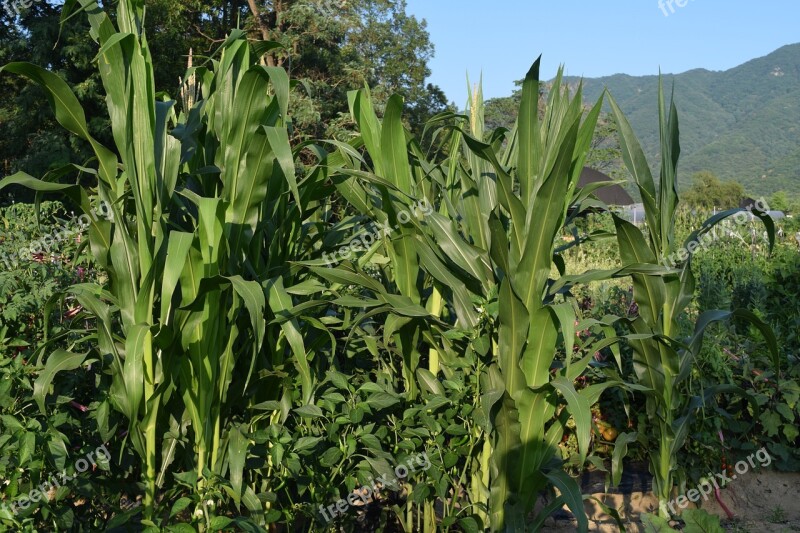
[(592, 38)]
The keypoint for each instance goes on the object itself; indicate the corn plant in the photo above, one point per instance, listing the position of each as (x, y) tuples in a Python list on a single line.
[(487, 251), (210, 236), (205, 209), (535, 185), (662, 362)]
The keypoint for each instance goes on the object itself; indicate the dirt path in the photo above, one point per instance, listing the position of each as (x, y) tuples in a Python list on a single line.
[(763, 502)]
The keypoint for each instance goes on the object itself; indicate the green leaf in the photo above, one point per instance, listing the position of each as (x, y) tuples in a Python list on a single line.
[(238, 444), (620, 451), (469, 525), (371, 131), (670, 153), (306, 443), (786, 412), (253, 296), (505, 462), (309, 411), (610, 511), (381, 400), (649, 291), (27, 448), (338, 379), (219, 523), (581, 412), (181, 528), (428, 382), (709, 317), (139, 339), (771, 422), (281, 303), (530, 141), (179, 506), (178, 246), (566, 317), (11, 423), (540, 350), (700, 521), (637, 165), (68, 111), (393, 146), (279, 142), (571, 493), (331, 457), (553, 506), (655, 524), (453, 246), (513, 332), (59, 361)]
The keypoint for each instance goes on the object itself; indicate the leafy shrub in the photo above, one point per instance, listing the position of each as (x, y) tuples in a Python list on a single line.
[(28, 280)]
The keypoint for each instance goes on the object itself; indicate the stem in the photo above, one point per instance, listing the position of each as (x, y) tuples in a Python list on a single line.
[(410, 516), (435, 306), (201, 462), (215, 443), (486, 457), (429, 518), (207, 516), (663, 473), (150, 432)]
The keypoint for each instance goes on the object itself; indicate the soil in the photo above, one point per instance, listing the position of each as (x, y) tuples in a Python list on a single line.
[(761, 502)]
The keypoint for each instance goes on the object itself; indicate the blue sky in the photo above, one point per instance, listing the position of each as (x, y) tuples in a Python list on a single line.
[(501, 38)]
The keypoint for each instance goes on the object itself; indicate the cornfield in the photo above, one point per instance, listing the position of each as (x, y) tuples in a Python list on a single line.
[(259, 381)]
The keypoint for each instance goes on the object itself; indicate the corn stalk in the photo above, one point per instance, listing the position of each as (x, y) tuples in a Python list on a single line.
[(205, 209), (493, 236), (662, 363)]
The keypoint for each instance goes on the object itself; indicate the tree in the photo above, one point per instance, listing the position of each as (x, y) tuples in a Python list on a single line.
[(329, 46), (605, 154), (708, 192), (335, 46), (502, 112), (779, 201), (31, 138)]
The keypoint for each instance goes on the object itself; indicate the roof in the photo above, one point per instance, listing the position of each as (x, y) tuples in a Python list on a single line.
[(610, 194)]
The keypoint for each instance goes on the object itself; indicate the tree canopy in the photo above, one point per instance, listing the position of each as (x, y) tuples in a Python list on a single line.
[(329, 47), (708, 192)]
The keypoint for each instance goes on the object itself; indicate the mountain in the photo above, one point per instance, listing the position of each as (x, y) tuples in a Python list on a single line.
[(742, 124)]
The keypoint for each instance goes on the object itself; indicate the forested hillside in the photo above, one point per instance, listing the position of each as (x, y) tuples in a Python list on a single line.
[(742, 124)]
